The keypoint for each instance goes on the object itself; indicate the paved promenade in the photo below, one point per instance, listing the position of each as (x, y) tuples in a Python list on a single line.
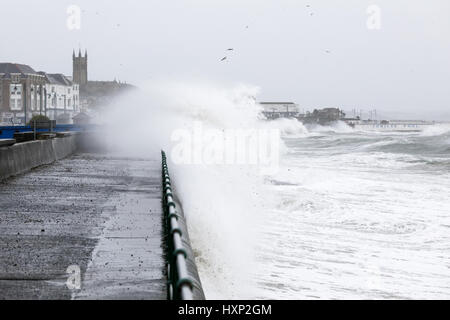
[(100, 213)]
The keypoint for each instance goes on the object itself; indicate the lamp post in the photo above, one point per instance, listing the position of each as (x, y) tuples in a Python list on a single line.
[(32, 98), (14, 113), (40, 100), (25, 100), (45, 100)]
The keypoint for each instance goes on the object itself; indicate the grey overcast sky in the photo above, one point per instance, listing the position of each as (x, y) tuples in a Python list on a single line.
[(321, 55)]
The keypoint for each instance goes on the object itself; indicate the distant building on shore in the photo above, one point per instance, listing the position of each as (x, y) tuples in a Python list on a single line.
[(25, 93), (82, 119), (80, 68), (63, 98), (322, 116), (94, 94), (275, 110), (22, 93), (290, 110)]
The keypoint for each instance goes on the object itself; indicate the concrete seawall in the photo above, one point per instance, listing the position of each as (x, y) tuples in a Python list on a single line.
[(23, 157)]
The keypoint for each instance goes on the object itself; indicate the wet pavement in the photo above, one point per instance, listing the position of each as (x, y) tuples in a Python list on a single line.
[(99, 213)]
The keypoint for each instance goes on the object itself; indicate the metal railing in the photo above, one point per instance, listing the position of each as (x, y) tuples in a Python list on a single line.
[(180, 284)]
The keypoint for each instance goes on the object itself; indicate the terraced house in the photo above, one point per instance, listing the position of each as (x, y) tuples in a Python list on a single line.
[(25, 93), (22, 93), (62, 98)]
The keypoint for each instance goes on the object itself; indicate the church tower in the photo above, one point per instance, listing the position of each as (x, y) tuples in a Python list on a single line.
[(80, 68)]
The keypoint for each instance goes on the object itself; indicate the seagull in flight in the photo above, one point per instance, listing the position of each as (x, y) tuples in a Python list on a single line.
[(223, 59)]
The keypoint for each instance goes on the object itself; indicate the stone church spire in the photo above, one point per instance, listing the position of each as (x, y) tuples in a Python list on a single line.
[(80, 68)]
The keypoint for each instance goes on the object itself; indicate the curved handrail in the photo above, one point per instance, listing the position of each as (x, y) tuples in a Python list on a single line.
[(180, 284)]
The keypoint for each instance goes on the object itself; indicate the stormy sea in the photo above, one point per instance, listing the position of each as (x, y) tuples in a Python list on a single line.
[(358, 215), (347, 214)]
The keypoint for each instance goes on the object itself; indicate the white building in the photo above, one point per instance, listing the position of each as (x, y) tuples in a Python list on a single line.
[(273, 110), (62, 98)]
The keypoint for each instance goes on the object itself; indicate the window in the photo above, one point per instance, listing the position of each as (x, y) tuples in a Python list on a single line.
[(15, 89), (15, 103)]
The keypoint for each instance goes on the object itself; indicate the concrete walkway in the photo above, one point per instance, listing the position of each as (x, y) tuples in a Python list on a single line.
[(101, 213)]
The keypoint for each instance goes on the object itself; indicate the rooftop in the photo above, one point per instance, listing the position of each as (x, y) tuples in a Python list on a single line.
[(8, 68), (58, 78)]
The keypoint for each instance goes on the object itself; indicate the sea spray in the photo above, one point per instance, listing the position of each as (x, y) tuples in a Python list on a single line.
[(344, 206), (222, 201)]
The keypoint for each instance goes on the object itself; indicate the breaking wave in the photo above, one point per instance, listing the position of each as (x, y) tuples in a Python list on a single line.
[(344, 216), (221, 202)]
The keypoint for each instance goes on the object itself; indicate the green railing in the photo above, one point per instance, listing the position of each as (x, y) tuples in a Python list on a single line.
[(180, 284)]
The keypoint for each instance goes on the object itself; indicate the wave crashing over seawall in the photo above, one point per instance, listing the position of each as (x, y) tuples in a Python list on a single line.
[(349, 214)]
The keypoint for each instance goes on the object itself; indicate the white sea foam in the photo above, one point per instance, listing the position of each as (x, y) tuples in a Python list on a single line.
[(436, 130), (289, 127), (356, 224), (348, 215), (222, 202), (337, 127)]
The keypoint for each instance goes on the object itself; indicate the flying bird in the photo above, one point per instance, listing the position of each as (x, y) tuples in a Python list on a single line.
[(223, 59), (231, 49)]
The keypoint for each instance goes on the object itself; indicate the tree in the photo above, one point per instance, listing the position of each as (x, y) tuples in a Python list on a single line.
[(38, 118)]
